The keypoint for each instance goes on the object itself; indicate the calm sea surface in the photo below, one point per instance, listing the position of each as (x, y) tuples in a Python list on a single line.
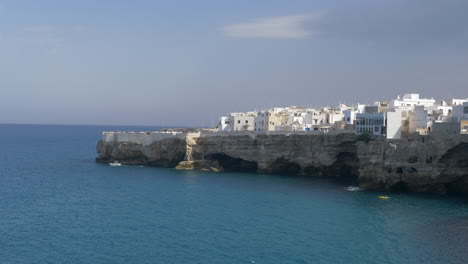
[(58, 206)]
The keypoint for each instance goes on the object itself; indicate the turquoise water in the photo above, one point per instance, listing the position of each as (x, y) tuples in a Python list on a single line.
[(58, 206)]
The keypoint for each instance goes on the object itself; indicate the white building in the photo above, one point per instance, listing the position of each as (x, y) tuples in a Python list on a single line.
[(460, 112), (371, 123), (300, 127), (445, 110), (395, 119), (409, 100), (335, 117), (319, 119), (261, 121), (296, 118), (419, 120), (395, 123), (349, 116), (226, 124), (243, 121), (453, 101)]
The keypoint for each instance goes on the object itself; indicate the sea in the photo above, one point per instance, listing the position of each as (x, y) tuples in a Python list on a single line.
[(57, 205)]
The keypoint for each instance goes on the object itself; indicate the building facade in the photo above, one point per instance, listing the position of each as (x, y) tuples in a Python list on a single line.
[(370, 123)]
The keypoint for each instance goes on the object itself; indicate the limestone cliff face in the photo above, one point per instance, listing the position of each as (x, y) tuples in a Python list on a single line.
[(322, 155), (422, 164), (166, 152)]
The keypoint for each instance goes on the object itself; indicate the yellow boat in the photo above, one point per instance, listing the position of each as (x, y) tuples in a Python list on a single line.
[(383, 197)]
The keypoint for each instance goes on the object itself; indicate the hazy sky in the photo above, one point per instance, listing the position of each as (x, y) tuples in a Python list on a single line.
[(188, 62)]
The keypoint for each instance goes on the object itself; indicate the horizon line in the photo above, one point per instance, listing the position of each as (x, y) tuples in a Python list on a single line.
[(55, 124)]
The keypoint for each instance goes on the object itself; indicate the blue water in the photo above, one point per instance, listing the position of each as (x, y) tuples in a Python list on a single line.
[(58, 206)]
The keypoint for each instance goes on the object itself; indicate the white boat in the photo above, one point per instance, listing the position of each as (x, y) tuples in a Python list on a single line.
[(115, 163), (354, 189)]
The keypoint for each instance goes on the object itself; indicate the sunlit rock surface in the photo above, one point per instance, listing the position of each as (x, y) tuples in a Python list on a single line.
[(420, 164)]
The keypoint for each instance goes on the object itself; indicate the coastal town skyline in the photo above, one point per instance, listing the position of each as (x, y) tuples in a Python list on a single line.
[(185, 64), (234, 131), (396, 118)]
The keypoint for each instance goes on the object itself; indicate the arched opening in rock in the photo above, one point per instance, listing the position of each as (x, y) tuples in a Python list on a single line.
[(345, 168), (454, 166), (456, 157), (233, 164), (459, 186), (281, 165), (400, 187)]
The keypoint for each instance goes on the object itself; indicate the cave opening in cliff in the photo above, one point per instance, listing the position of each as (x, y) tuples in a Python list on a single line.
[(233, 164), (456, 157), (283, 166), (460, 186), (346, 167), (454, 166), (400, 187)]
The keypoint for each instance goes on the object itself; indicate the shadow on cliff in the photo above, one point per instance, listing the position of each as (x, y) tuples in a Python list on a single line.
[(345, 168), (284, 166), (454, 165), (233, 164)]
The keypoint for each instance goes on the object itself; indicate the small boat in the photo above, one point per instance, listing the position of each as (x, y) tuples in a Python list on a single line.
[(384, 197), (354, 189), (115, 163)]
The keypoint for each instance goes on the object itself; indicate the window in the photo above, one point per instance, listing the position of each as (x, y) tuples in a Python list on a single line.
[(376, 129), (378, 122), (465, 110), (348, 119), (246, 121), (238, 121)]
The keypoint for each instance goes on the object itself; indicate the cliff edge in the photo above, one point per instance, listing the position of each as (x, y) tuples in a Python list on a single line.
[(420, 164)]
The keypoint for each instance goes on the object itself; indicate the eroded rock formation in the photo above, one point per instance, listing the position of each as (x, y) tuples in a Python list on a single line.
[(421, 164)]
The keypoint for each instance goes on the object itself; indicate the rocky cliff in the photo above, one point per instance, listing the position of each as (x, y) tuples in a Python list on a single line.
[(422, 163)]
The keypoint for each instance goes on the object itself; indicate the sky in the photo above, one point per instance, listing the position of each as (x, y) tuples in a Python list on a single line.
[(185, 63)]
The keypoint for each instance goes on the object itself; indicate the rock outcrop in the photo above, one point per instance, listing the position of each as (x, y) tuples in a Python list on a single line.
[(420, 164), (166, 152)]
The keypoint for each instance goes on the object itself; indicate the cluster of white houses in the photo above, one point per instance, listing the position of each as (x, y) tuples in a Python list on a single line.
[(394, 119)]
